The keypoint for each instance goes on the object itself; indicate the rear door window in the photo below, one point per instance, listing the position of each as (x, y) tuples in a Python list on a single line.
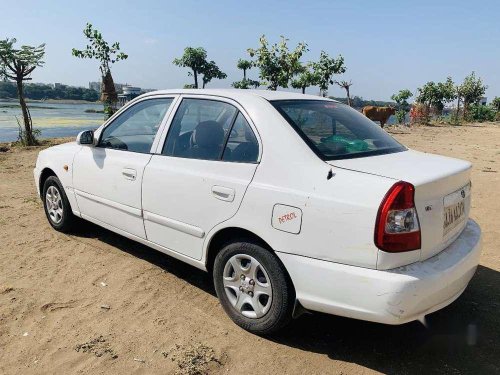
[(336, 131), (210, 130)]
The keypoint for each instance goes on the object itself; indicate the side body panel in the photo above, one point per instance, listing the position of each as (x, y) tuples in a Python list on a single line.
[(56, 158), (338, 214), (105, 192)]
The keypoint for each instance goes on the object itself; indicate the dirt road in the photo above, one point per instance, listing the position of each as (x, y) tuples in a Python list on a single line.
[(94, 302)]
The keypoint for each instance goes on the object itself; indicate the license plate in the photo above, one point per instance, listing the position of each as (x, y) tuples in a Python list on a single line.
[(454, 209)]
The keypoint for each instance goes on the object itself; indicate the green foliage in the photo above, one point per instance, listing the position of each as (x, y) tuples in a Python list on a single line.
[(305, 79), (18, 64), (211, 71), (480, 113), (325, 68), (277, 64), (42, 91), (245, 83), (401, 99), (401, 115), (471, 91), (435, 95), (196, 60), (359, 102), (495, 103), (23, 138), (100, 50), (193, 58), (244, 65)]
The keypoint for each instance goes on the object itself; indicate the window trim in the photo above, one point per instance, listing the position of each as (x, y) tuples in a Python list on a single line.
[(239, 109), (99, 132), (313, 147)]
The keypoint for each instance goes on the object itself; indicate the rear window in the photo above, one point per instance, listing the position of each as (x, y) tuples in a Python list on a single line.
[(336, 131)]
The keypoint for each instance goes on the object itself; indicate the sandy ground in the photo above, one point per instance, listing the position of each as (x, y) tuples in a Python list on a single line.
[(162, 316)]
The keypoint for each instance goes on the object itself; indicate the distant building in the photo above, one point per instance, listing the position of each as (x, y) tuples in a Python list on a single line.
[(483, 101), (131, 90), (58, 85), (128, 93), (96, 86)]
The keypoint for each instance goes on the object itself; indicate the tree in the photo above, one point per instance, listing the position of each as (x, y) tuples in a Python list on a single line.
[(107, 55), (245, 83), (210, 71), (244, 65), (495, 103), (401, 99), (325, 68), (305, 79), (276, 63), (346, 86), (470, 92), (195, 59), (17, 65), (435, 95)]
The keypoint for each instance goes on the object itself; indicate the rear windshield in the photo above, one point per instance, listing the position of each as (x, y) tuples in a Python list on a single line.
[(336, 131)]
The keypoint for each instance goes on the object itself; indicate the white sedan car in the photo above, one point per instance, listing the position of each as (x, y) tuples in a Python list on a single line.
[(292, 202)]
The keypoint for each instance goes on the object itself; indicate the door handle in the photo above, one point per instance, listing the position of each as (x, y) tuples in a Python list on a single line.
[(129, 173), (223, 193)]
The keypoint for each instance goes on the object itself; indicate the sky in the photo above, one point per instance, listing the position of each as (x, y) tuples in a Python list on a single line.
[(388, 45)]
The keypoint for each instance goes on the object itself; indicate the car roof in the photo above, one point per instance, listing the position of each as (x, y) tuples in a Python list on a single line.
[(239, 93)]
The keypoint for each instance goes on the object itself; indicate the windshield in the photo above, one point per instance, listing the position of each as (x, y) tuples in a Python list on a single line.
[(336, 131)]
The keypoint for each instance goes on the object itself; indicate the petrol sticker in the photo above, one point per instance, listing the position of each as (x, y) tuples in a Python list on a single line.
[(287, 218)]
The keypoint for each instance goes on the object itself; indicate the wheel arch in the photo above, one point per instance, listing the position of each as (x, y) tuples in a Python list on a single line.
[(46, 173), (228, 235), (231, 234)]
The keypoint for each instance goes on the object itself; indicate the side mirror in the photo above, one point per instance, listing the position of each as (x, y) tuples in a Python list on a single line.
[(85, 138)]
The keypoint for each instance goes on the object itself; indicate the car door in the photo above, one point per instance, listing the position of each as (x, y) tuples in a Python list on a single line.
[(199, 176), (107, 178)]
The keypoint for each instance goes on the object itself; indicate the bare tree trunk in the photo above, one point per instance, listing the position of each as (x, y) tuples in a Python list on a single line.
[(195, 74), (28, 133), (303, 90), (348, 97), (244, 74), (108, 94)]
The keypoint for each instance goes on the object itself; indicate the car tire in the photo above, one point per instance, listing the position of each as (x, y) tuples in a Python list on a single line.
[(253, 287), (56, 205)]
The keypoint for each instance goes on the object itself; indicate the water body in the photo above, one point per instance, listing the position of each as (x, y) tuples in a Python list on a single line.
[(53, 119)]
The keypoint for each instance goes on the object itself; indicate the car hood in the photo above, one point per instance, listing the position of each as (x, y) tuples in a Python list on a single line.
[(416, 167)]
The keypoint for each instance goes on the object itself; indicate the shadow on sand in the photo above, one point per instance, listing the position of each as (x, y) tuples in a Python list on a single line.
[(462, 338)]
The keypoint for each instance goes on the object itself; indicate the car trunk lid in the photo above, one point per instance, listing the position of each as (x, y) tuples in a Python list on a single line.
[(442, 191)]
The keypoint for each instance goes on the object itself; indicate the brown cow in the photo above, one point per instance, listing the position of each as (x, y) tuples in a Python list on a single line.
[(381, 114)]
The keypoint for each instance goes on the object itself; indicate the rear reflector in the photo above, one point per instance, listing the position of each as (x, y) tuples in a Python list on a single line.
[(397, 228)]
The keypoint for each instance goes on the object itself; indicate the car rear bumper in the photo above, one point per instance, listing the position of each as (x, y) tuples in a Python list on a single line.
[(395, 296)]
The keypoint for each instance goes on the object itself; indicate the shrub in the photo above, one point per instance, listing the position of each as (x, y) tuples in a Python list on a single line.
[(481, 113)]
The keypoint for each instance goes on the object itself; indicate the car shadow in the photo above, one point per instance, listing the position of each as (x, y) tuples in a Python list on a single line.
[(462, 338)]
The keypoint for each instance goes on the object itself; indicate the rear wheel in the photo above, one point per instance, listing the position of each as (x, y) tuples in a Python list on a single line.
[(253, 287), (56, 205)]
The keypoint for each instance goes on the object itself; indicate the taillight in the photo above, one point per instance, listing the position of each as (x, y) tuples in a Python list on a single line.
[(397, 228)]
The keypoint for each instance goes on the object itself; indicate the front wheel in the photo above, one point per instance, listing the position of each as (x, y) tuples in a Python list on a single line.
[(253, 287), (56, 205)]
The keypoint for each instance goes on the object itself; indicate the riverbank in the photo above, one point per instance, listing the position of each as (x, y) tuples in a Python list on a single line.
[(52, 118), (57, 101)]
